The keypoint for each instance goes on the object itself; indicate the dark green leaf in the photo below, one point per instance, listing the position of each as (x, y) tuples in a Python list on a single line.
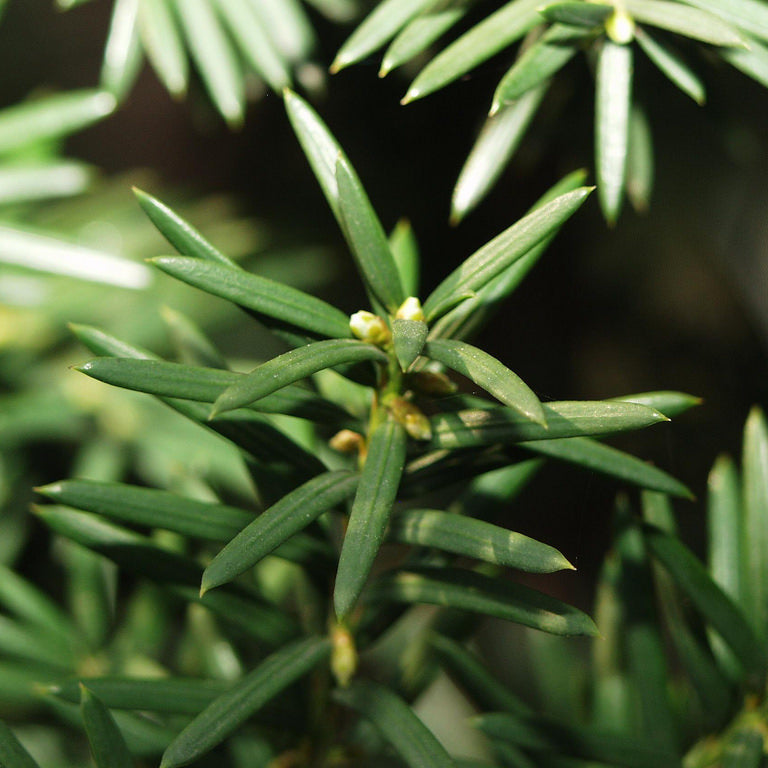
[(474, 428), (613, 101), (12, 753), (278, 524), (474, 592), (149, 507), (708, 598), (383, 23), (577, 13), (192, 346), (397, 722), (366, 238), (609, 461), (107, 743), (226, 713), (501, 252), (370, 512), (180, 234), (469, 672), (486, 39), (476, 539), (543, 59), (206, 385), (640, 161), (409, 337), (539, 734), (724, 528), (687, 21), (291, 367), (672, 65), (489, 373), (173, 695)]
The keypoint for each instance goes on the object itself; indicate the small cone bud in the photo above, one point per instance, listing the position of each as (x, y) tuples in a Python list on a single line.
[(370, 328), (406, 413), (431, 383), (620, 27), (410, 309), (346, 441), (343, 655)]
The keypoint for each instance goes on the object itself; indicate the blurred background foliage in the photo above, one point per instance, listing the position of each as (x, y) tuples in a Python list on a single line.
[(675, 299)]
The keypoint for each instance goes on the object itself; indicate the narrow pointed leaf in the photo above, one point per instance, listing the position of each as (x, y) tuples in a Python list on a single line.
[(749, 15), (490, 374), (405, 252), (230, 710), (278, 524), (370, 512), (475, 538), (293, 366), (497, 142), (172, 695), (494, 33), (12, 753), (724, 528), (107, 743), (162, 42), (474, 428), (577, 13), (539, 734), (469, 672), (686, 20), (421, 32), (123, 54), (711, 602), (755, 521), (672, 65), (38, 181), (640, 162), (22, 642), (288, 27), (397, 722), (266, 297), (52, 117), (606, 460), (180, 234), (191, 344), (20, 597), (213, 55), (668, 402), (752, 62), (254, 42), (501, 252), (150, 507), (474, 592), (613, 100), (409, 337), (544, 58), (366, 239), (473, 314), (187, 382), (383, 23)]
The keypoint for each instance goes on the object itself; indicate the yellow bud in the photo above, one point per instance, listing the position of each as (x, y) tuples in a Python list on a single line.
[(620, 27), (406, 413), (410, 309), (343, 655), (369, 327), (346, 441)]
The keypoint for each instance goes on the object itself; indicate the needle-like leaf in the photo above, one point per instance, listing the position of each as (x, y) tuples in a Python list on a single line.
[(672, 65), (108, 746), (370, 512), (162, 42), (226, 713), (397, 722), (12, 753)]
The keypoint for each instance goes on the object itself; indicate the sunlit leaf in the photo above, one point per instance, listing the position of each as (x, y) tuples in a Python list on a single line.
[(672, 65), (123, 54), (162, 42)]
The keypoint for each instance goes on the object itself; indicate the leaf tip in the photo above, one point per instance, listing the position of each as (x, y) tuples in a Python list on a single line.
[(48, 490)]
